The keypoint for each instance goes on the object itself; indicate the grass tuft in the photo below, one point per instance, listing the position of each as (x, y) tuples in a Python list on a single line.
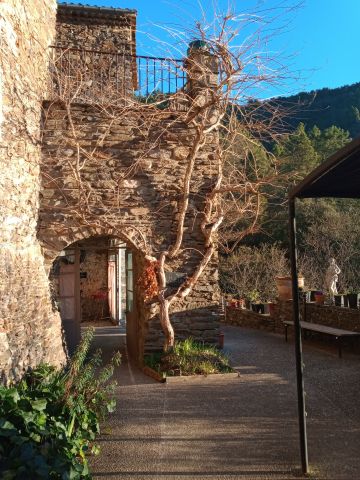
[(189, 357)]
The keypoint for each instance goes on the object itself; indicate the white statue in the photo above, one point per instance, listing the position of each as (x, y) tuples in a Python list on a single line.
[(331, 277)]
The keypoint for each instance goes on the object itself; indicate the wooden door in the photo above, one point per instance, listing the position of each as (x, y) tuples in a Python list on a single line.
[(69, 297)]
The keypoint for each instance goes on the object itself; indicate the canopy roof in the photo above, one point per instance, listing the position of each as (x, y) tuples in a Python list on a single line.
[(338, 176)]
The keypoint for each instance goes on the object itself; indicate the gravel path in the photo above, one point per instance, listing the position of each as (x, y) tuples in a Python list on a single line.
[(243, 428)]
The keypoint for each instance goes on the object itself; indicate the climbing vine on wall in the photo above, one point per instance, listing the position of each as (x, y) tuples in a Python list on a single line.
[(148, 280)]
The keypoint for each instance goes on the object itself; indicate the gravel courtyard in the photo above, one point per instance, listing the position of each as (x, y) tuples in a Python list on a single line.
[(242, 428)]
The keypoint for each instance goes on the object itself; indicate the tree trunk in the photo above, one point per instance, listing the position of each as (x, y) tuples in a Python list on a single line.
[(164, 304), (165, 322)]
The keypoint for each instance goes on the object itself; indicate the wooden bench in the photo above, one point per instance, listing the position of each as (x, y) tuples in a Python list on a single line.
[(338, 333)]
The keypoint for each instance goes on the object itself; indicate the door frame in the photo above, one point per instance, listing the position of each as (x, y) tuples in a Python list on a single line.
[(73, 334)]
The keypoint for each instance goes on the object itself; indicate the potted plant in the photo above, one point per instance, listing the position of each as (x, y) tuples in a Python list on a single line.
[(338, 300), (311, 294), (319, 298), (352, 298), (233, 303), (341, 300), (256, 305)]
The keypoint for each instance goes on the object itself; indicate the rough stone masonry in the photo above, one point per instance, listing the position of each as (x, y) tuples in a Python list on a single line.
[(30, 331), (137, 208)]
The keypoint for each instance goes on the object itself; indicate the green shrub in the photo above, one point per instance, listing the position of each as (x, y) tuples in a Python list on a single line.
[(49, 420), (189, 358)]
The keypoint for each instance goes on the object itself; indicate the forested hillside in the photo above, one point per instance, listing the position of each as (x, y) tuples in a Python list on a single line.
[(318, 124), (326, 107)]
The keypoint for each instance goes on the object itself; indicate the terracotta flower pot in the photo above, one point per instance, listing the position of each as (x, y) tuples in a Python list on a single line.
[(284, 286), (271, 309), (241, 303), (353, 300), (319, 298)]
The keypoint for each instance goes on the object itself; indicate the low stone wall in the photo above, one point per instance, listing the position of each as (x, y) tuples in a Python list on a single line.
[(248, 318), (337, 317), (331, 316)]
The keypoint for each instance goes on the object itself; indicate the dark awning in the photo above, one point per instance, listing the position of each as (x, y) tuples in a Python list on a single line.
[(338, 176)]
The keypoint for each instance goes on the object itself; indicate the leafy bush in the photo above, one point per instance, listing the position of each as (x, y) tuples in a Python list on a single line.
[(189, 358), (49, 420)]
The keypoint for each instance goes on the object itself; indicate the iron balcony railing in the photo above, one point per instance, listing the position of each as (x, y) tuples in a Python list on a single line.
[(96, 76)]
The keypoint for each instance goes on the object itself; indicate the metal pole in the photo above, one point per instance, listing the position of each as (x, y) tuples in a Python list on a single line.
[(298, 347)]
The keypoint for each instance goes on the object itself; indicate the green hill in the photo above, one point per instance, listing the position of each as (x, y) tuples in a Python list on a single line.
[(324, 108)]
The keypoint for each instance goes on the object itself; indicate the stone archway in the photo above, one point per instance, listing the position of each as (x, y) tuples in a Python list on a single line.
[(54, 239), (82, 268)]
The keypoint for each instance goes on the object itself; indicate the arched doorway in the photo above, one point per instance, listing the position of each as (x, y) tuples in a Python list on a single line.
[(94, 284)]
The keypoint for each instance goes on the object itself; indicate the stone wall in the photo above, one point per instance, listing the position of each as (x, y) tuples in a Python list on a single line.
[(130, 208), (94, 28), (331, 316), (95, 54), (129, 181), (30, 332), (95, 267), (247, 318), (132, 159)]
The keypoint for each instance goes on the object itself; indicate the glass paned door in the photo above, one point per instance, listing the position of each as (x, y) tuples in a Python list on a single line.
[(129, 282)]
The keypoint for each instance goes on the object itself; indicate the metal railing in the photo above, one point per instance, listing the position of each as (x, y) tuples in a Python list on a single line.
[(95, 76), (159, 75)]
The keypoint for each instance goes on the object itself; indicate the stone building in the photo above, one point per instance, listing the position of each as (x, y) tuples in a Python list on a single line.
[(88, 186), (30, 330)]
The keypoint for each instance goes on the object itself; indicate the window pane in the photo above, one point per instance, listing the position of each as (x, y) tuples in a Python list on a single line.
[(129, 261), (130, 280), (129, 301)]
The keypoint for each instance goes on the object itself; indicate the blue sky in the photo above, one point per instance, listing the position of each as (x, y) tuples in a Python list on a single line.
[(318, 40)]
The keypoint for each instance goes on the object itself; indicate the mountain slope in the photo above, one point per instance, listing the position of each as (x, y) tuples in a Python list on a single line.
[(325, 107)]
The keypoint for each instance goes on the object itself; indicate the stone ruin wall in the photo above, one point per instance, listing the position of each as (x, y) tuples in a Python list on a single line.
[(97, 52), (144, 202), (30, 332), (121, 141), (96, 29)]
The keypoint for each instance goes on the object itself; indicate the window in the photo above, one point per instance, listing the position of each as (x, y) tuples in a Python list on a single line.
[(129, 283)]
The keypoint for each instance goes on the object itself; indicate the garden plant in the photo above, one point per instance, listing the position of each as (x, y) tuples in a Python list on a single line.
[(49, 420)]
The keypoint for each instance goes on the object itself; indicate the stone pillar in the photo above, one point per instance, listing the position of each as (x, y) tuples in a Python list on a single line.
[(202, 68)]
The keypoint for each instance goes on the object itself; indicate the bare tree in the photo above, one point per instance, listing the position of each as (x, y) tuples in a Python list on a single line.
[(222, 75), (250, 271)]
